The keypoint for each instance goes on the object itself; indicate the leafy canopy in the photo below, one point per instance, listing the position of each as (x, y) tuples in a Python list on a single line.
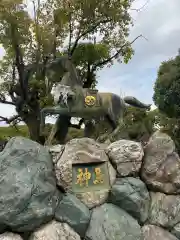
[(56, 27), (167, 87)]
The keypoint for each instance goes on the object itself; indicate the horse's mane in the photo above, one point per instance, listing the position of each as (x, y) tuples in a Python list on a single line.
[(71, 76), (62, 90)]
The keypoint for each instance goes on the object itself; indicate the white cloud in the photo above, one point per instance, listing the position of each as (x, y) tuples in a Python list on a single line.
[(159, 22)]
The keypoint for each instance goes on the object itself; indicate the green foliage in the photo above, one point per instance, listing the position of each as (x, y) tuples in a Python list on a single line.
[(74, 133), (167, 97), (167, 88), (87, 57), (170, 126), (137, 125), (145, 123), (90, 53), (55, 21)]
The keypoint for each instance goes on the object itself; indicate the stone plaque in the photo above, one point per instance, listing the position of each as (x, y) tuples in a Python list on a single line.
[(89, 177)]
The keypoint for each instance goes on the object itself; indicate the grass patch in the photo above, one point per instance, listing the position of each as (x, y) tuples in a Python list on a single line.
[(10, 131)]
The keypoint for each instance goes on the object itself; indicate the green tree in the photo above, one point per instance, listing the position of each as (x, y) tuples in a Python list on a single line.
[(55, 28), (167, 97), (170, 126), (167, 88), (138, 125)]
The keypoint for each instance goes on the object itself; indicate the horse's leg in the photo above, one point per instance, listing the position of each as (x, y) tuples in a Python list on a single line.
[(116, 127), (58, 131), (62, 125), (115, 115), (89, 128), (113, 125)]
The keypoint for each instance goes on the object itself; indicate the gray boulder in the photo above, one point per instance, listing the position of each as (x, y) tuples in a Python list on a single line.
[(151, 232), (55, 231), (131, 195), (10, 236), (82, 150), (28, 186), (126, 156), (161, 165), (73, 212), (110, 222), (56, 151), (164, 210)]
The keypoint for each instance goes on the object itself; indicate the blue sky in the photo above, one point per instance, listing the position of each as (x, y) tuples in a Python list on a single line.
[(159, 22)]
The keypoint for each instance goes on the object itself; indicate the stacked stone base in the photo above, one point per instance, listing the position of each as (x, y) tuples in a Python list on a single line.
[(37, 202)]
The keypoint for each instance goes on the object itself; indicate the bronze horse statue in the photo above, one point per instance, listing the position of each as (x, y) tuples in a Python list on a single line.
[(72, 100)]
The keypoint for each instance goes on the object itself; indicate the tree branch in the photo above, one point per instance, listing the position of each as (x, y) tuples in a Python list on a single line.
[(9, 120), (18, 57), (11, 93), (99, 64), (142, 7), (56, 33), (54, 45), (36, 16), (70, 32), (89, 77), (91, 29), (14, 120), (3, 100)]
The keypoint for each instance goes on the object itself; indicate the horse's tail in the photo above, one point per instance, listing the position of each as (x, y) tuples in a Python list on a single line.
[(136, 103)]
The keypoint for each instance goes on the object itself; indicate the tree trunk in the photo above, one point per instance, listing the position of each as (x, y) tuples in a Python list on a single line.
[(33, 124), (34, 128), (31, 116)]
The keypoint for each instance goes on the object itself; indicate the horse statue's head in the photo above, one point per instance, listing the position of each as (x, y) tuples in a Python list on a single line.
[(71, 76), (63, 94)]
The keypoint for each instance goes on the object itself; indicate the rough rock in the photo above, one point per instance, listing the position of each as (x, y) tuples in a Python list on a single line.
[(131, 195), (55, 231), (56, 152), (28, 186), (164, 210), (73, 212), (110, 222), (161, 166), (76, 151), (151, 232), (176, 230), (126, 156), (10, 236)]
